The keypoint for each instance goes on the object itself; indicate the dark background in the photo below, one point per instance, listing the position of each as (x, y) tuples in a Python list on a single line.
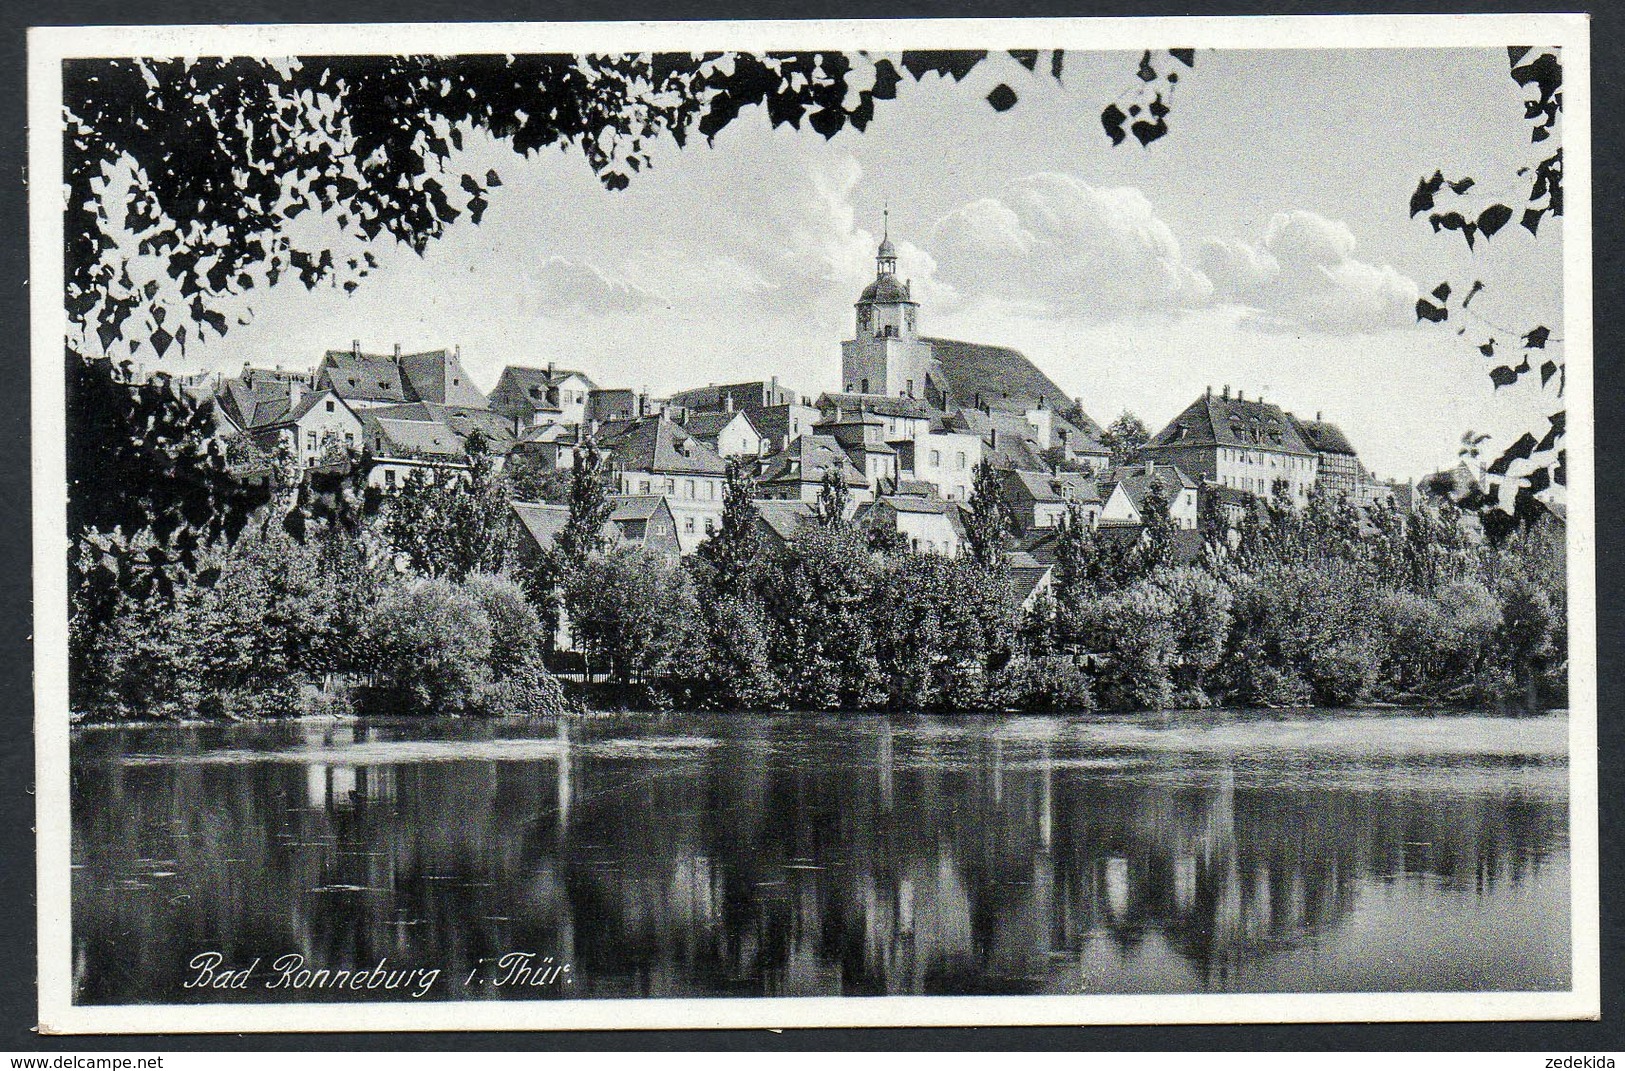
[(17, 920)]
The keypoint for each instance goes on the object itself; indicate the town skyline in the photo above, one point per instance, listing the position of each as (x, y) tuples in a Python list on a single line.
[(1130, 276)]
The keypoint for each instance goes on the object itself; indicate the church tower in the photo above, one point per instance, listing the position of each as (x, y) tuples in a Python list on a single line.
[(886, 354)]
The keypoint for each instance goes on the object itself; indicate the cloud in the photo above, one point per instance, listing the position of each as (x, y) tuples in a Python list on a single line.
[(1056, 246), (558, 286), (806, 243), (1305, 278)]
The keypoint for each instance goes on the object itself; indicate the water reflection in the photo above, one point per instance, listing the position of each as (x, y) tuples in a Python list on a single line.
[(797, 856)]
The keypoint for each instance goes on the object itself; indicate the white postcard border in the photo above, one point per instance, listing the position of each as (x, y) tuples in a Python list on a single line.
[(49, 46)]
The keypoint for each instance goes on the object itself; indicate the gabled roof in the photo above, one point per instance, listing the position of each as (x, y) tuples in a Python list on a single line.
[(1214, 420), (499, 436), (1027, 573), (522, 387), (637, 507), (750, 394), (805, 460), (1081, 438), (707, 426), (1048, 487), (917, 504), (251, 405), (366, 378), (1325, 437), (542, 521), (785, 518), (1169, 478), (411, 438), (439, 376), (880, 405), (1003, 378), (658, 445), (919, 488), (1017, 444)]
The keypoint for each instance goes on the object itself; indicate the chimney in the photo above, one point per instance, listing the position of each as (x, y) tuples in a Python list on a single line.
[(549, 369), (1241, 395), (729, 403), (1227, 392), (643, 402), (1210, 390), (1040, 401), (355, 347), (397, 351), (1317, 416)]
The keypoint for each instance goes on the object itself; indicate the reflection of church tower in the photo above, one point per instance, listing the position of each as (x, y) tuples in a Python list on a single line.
[(886, 354)]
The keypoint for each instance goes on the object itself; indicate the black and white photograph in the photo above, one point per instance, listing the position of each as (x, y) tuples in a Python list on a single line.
[(937, 522)]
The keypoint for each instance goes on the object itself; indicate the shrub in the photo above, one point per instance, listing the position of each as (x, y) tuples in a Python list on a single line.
[(1042, 683), (433, 644), (1134, 630), (1341, 674), (515, 627)]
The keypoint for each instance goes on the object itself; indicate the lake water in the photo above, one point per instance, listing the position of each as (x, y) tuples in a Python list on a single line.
[(741, 855)]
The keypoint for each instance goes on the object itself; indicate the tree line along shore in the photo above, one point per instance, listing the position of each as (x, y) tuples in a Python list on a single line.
[(428, 603)]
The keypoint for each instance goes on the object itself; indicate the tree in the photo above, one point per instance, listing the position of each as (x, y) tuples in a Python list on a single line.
[(450, 522), (833, 497), (532, 479), (1125, 437), (590, 508), (733, 549), (987, 521), (817, 591), (634, 611)]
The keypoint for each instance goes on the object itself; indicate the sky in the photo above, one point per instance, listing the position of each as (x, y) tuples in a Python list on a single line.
[(1264, 244)]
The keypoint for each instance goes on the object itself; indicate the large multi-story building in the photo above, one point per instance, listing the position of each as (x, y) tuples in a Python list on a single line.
[(1252, 446), (1339, 473)]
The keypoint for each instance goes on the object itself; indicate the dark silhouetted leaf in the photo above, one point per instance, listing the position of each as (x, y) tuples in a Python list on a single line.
[(1493, 219), (1002, 97)]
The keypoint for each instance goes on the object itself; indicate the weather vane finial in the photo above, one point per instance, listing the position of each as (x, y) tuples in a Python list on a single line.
[(885, 218)]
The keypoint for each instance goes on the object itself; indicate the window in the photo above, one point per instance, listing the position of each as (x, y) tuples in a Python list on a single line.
[(961, 460), (910, 387), (389, 477), (688, 525), (455, 381), (643, 487), (671, 486), (710, 526), (936, 457), (310, 440), (329, 406), (349, 438), (865, 386)]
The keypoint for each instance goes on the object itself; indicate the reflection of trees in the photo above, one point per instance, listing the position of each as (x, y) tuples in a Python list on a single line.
[(795, 857)]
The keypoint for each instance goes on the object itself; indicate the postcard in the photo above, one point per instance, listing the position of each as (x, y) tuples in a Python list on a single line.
[(516, 549)]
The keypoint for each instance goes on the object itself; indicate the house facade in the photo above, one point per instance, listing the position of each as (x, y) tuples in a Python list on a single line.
[(1251, 446), (927, 526), (535, 397)]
